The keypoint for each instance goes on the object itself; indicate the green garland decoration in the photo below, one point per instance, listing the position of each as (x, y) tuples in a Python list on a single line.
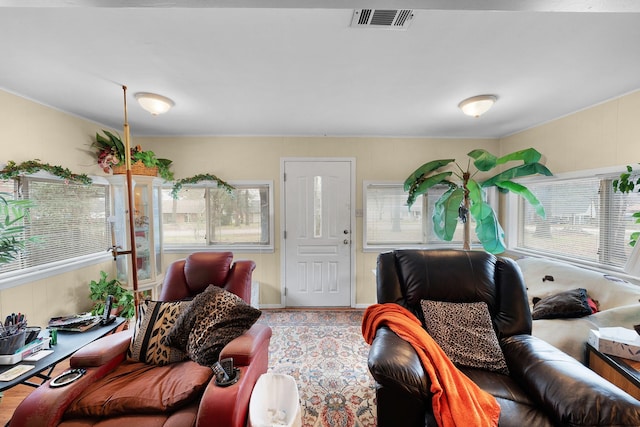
[(177, 185), (13, 170)]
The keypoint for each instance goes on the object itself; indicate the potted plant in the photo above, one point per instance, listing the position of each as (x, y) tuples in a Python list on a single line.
[(111, 154), (467, 195), (626, 183), (123, 301), (12, 237)]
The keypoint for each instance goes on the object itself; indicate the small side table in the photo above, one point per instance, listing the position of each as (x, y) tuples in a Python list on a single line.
[(621, 372)]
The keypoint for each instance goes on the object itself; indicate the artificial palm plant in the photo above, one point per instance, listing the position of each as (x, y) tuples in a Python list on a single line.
[(12, 237), (466, 196), (627, 183)]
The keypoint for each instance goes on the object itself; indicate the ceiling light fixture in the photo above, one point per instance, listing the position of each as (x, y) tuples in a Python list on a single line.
[(154, 103), (477, 105)]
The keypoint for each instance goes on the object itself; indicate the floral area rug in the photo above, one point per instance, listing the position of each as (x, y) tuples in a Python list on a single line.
[(323, 350)]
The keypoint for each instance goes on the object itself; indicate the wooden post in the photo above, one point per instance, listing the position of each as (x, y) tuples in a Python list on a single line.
[(130, 198)]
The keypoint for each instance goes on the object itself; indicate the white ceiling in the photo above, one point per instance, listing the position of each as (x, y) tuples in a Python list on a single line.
[(305, 71)]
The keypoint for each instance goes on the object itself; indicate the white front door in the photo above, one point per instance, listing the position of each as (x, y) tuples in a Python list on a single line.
[(317, 226)]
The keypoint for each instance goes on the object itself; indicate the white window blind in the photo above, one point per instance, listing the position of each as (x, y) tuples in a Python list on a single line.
[(68, 220), (585, 220), (211, 216), (388, 221)]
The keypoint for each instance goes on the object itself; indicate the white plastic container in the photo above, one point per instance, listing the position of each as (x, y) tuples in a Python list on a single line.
[(275, 402)]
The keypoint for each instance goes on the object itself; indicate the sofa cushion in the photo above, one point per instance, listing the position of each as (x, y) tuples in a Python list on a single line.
[(155, 320), (609, 291), (213, 320), (567, 304), (617, 302), (135, 387), (465, 333)]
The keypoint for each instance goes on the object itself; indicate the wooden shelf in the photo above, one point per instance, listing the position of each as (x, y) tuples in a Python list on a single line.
[(621, 372)]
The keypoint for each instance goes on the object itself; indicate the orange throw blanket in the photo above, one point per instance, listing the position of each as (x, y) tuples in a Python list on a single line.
[(457, 401)]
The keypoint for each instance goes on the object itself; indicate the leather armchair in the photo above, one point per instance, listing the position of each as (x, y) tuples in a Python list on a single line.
[(218, 406), (545, 387)]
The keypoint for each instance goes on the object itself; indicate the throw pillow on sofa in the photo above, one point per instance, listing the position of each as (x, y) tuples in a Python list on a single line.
[(155, 320), (213, 320), (568, 304), (465, 333)]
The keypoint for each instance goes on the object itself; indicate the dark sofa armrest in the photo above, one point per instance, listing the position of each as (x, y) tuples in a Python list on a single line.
[(570, 393), (394, 363), (402, 385)]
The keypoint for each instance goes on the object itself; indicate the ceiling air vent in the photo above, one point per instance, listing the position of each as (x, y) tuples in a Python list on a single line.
[(391, 19)]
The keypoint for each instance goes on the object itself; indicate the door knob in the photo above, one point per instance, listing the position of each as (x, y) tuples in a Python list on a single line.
[(345, 241), (346, 231)]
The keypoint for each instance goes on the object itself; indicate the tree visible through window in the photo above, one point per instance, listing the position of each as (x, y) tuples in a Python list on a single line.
[(211, 216), (586, 220)]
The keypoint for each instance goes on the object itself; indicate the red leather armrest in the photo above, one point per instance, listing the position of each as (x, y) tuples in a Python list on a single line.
[(239, 279), (45, 406), (229, 406), (101, 350), (244, 348)]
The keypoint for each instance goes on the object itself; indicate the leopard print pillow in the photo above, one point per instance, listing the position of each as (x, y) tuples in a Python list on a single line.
[(155, 320), (214, 319), (465, 333)]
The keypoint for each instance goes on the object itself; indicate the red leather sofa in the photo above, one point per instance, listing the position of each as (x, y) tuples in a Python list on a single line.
[(105, 361)]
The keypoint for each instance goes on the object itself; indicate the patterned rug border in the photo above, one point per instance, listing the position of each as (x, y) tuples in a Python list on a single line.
[(311, 317)]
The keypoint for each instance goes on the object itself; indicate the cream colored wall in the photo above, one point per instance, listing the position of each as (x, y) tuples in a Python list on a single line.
[(31, 131), (246, 158), (605, 135), (57, 295)]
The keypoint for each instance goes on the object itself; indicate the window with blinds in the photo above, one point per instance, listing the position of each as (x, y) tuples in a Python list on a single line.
[(389, 223), (204, 215), (585, 220), (67, 221)]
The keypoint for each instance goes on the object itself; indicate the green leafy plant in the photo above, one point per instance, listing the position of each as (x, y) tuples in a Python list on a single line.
[(99, 290), (467, 196), (177, 186), (14, 170), (12, 238), (111, 152), (626, 183)]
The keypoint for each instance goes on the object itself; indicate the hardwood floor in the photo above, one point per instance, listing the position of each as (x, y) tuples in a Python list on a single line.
[(11, 398)]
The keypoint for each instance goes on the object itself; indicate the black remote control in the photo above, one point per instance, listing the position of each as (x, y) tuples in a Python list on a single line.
[(227, 365), (106, 315)]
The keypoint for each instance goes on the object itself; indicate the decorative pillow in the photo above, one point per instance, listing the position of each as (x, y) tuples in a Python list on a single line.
[(213, 320), (155, 320), (153, 390), (573, 303), (465, 333)]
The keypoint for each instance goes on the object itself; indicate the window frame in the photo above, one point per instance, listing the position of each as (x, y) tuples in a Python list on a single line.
[(22, 276), (513, 216), (239, 248), (492, 199)]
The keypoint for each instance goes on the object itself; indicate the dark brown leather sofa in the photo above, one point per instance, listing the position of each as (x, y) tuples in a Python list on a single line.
[(545, 387)]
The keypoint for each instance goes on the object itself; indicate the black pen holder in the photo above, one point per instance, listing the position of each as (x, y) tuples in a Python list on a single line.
[(10, 343)]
